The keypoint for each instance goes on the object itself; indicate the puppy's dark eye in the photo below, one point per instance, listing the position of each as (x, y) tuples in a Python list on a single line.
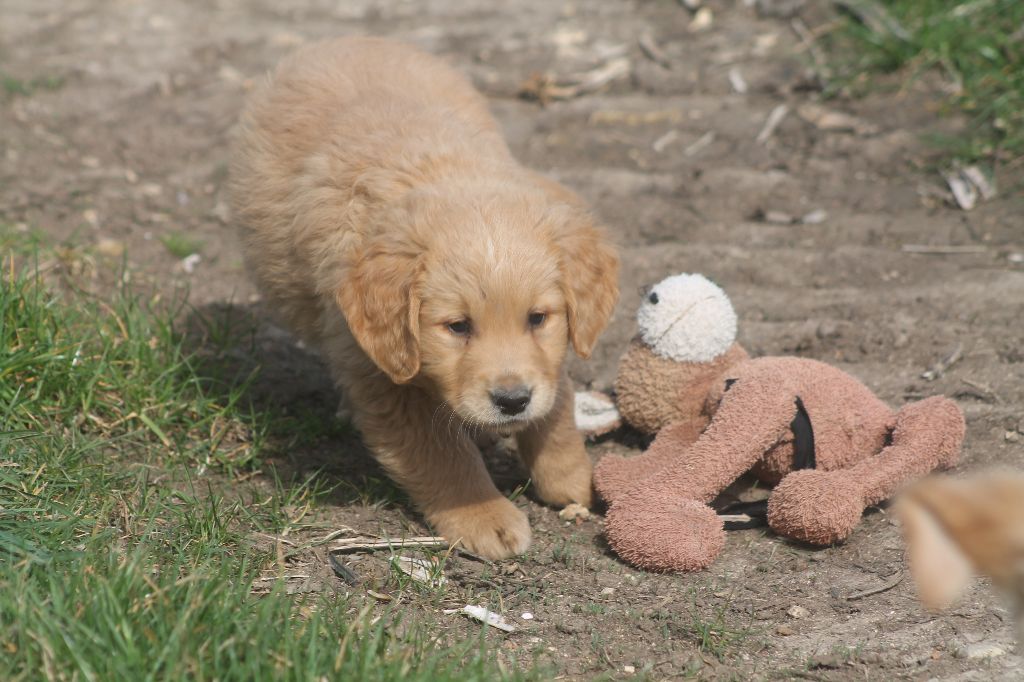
[(536, 319), (653, 297), (460, 327)]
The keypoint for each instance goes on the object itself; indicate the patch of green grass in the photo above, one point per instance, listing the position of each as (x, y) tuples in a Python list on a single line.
[(118, 560), (976, 45), (180, 244), (14, 86), (714, 632)]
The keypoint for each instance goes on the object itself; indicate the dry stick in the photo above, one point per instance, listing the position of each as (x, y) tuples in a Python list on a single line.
[(653, 52), (365, 545), (701, 142), (943, 249), (809, 42), (774, 119), (350, 545), (883, 588), (940, 367), (276, 538), (983, 390), (334, 534)]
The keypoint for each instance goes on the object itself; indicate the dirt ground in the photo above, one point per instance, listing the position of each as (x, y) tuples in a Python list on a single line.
[(116, 137)]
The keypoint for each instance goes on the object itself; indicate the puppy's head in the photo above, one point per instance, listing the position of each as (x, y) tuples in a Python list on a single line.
[(477, 295)]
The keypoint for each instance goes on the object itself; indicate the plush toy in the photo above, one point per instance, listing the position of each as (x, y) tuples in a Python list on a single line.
[(829, 444)]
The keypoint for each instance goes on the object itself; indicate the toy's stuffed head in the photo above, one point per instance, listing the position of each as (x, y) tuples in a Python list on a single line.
[(687, 318), (686, 338)]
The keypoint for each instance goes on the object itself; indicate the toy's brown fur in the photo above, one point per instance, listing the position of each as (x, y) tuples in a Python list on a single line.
[(379, 204), (863, 452)]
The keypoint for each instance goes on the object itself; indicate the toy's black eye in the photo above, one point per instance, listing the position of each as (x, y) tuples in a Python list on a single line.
[(653, 298), (460, 327), (536, 319)]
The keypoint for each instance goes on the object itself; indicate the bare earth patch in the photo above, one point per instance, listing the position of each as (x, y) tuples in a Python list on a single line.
[(812, 225)]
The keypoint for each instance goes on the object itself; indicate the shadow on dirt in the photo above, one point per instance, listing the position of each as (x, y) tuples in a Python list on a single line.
[(289, 393)]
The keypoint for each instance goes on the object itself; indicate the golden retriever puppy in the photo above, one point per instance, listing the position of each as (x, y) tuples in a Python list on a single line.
[(957, 527), (384, 218)]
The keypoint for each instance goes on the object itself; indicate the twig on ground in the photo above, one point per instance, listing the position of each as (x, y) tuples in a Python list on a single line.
[(980, 391), (276, 538), (771, 123), (544, 87), (701, 142), (337, 533), (875, 17), (349, 545), (653, 52), (940, 367), (342, 571), (877, 590), (943, 249), (808, 41)]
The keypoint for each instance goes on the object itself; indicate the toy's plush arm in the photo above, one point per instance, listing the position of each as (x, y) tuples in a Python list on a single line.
[(823, 507), (752, 417), (663, 524), (614, 476)]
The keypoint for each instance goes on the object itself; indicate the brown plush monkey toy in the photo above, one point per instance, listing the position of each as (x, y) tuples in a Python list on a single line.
[(831, 446)]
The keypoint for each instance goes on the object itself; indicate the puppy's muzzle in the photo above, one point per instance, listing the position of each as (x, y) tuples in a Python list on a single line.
[(511, 401)]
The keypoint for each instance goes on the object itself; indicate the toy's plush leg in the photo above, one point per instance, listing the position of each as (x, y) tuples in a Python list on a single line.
[(823, 507), (663, 524), (615, 476)]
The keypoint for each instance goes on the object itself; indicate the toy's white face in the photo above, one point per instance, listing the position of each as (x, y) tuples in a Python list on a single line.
[(687, 318)]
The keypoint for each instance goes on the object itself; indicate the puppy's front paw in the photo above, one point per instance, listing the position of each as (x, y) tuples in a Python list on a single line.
[(495, 529), (571, 487)]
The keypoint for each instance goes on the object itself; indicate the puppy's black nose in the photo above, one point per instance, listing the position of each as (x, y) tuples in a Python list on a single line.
[(513, 400)]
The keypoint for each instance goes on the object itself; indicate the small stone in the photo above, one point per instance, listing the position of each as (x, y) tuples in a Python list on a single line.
[(828, 329), (778, 218), (151, 189), (229, 73), (815, 217), (980, 650), (527, 616), (189, 263), (797, 612), (1012, 436), (91, 216), (1016, 258), (111, 248), (701, 20), (608, 591), (784, 630), (628, 669)]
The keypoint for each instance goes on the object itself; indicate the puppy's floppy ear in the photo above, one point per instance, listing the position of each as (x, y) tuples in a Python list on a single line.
[(590, 278), (382, 306)]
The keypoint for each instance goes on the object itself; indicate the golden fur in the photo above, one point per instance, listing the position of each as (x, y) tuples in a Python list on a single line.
[(384, 218), (955, 528)]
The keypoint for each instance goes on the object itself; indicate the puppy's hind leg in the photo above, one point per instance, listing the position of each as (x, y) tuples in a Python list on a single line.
[(442, 471)]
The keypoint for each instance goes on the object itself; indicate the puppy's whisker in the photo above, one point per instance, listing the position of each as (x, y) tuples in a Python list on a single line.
[(433, 418)]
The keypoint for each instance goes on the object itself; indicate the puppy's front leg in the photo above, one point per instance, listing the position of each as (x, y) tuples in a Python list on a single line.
[(442, 470), (553, 452)]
